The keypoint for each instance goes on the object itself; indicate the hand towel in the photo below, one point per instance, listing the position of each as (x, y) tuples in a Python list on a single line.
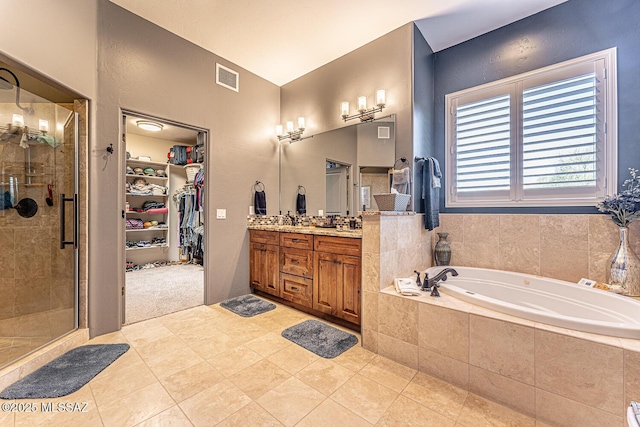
[(301, 204), (435, 172), (430, 196), (401, 180), (260, 203)]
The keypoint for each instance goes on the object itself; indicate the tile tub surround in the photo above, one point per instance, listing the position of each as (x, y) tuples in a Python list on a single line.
[(566, 247), (394, 244), (558, 376)]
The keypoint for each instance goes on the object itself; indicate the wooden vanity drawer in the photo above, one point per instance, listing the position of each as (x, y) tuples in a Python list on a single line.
[(296, 289), (296, 240), (296, 261), (338, 245), (264, 236)]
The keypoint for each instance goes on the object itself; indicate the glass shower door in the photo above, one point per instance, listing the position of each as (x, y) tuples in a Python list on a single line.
[(38, 225)]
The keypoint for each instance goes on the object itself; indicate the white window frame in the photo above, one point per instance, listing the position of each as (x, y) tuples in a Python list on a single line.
[(607, 181)]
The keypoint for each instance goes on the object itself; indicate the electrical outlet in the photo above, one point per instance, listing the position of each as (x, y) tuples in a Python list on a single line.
[(221, 214)]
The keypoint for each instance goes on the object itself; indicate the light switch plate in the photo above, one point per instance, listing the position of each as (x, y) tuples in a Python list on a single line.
[(221, 214)]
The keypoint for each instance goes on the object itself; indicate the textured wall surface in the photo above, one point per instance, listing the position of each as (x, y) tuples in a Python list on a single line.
[(569, 30), (146, 69)]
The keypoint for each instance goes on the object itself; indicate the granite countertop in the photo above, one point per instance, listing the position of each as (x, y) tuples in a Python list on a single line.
[(356, 234), (386, 213)]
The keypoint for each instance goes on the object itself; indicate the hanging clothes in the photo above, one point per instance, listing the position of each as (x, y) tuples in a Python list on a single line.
[(190, 226)]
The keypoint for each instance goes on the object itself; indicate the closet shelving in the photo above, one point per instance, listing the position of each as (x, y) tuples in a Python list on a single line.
[(136, 201)]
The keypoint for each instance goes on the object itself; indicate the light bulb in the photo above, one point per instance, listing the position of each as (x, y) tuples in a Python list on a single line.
[(380, 97), (362, 103), (300, 123), (17, 120), (43, 125), (289, 127), (279, 130), (345, 108)]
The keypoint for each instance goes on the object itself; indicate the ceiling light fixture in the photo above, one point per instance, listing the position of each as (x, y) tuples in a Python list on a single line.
[(364, 114), (150, 126), (291, 134)]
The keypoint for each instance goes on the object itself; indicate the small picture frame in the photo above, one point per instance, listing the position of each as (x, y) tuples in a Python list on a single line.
[(365, 196)]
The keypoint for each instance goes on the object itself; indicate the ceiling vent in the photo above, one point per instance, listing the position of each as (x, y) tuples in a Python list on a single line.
[(227, 78)]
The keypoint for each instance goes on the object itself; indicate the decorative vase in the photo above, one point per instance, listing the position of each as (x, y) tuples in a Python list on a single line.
[(624, 269), (442, 251)]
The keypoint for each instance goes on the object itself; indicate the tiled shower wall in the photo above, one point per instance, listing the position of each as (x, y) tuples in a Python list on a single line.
[(566, 247)]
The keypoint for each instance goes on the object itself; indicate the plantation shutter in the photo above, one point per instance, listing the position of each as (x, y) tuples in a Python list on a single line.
[(482, 150), (547, 137), (563, 121)]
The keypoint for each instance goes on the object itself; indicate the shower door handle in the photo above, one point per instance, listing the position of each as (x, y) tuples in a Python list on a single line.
[(63, 221)]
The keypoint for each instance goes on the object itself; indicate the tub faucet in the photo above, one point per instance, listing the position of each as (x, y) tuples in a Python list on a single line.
[(433, 283)]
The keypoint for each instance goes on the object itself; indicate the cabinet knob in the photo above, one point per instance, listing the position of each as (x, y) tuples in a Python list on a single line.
[(293, 288)]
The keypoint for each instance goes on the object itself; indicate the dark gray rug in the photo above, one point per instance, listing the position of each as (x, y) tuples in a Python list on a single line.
[(247, 305), (320, 338), (67, 373)]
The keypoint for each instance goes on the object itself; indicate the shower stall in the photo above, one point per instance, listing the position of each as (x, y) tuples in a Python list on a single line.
[(38, 220)]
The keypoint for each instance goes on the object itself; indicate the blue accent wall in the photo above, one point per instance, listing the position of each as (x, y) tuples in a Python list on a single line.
[(423, 103), (569, 30)]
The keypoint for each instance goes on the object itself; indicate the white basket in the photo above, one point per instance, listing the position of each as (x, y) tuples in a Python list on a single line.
[(191, 170), (392, 201)]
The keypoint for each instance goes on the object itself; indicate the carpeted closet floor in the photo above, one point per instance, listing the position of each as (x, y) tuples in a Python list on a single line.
[(154, 292)]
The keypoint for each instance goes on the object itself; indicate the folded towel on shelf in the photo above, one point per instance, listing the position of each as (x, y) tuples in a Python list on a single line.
[(301, 204), (401, 180), (260, 203)]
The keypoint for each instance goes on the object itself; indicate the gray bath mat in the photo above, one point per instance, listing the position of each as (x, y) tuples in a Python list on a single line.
[(247, 305), (320, 338), (67, 373)]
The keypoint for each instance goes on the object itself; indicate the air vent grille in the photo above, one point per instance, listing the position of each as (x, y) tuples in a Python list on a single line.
[(227, 78), (384, 132)]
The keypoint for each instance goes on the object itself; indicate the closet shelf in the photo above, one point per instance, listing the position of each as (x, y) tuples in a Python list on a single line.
[(140, 230), (145, 163), (151, 195), (147, 247), (143, 213), (148, 177)]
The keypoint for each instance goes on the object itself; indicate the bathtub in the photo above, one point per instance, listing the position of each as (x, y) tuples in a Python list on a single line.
[(540, 299)]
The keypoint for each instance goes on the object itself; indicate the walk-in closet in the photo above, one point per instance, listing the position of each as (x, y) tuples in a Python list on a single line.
[(164, 217)]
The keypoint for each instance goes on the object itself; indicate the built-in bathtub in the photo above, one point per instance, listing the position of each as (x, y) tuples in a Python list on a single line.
[(539, 299), (559, 375)]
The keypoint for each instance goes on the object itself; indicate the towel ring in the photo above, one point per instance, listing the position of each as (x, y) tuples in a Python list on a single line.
[(304, 190), (403, 160), (256, 186)]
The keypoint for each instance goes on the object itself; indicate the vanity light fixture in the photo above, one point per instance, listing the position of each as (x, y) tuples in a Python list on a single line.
[(149, 125), (291, 134), (364, 114)]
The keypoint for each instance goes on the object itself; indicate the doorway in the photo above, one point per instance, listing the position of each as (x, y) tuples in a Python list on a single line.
[(337, 188), (164, 213)]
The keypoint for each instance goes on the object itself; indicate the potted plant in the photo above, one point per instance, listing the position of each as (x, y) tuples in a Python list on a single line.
[(624, 208)]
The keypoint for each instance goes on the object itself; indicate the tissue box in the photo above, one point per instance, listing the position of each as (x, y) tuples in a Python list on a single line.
[(392, 201)]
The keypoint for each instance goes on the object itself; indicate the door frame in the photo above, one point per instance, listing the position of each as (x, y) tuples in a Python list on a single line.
[(122, 167)]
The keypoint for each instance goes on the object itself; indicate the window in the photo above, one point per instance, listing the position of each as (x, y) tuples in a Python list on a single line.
[(544, 138)]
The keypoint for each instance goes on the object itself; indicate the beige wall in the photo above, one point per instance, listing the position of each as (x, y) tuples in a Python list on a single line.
[(48, 36), (385, 63), (566, 247), (176, 82)]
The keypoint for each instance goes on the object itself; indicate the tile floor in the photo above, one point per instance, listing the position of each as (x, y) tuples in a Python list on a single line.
[(207, 366)]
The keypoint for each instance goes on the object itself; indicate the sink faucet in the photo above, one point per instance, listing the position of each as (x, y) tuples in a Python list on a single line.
[(433, 283)]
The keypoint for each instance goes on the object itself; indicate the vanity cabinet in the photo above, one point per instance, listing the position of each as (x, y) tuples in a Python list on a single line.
[(263, 261), (317, 274), (337, 277)]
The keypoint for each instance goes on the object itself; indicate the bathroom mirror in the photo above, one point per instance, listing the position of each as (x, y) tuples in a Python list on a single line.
[(333, 166)]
